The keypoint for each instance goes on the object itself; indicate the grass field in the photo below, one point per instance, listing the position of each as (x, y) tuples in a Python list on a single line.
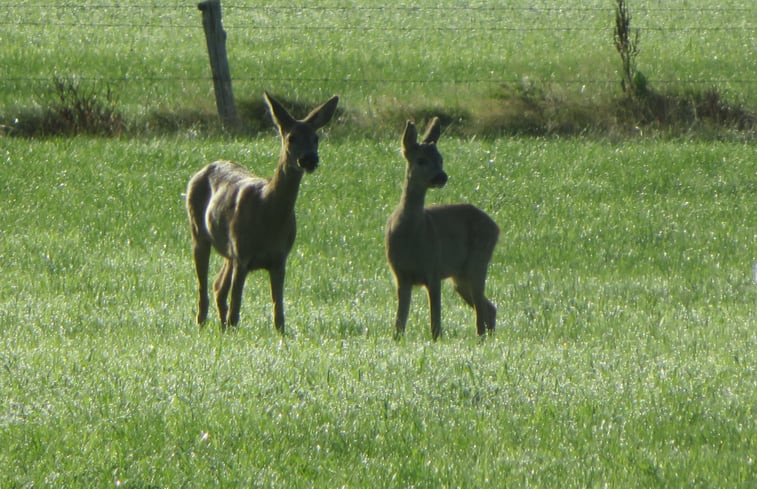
[(483, 65), (624, 277), (624, 355)]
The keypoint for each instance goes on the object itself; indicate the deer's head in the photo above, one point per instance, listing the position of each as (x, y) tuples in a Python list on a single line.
[(424, 162), (298, 137)]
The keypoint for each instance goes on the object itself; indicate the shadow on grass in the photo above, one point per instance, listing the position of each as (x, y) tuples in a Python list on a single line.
[(523, 109), (532, 111)]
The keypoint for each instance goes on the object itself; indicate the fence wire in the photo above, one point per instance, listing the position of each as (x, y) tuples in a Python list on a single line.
[(245, 19)]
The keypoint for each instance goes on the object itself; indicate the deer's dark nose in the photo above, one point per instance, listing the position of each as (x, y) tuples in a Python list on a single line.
[(308, 162), (439, 180)]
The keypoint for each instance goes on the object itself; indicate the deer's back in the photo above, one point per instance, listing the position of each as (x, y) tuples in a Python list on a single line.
[(214, 196), (224, 173), (441, 243), (464, 221), (464, 234), (218, 186)]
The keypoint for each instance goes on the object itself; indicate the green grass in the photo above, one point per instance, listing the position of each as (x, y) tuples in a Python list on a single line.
[(624, 355), (385, 62)]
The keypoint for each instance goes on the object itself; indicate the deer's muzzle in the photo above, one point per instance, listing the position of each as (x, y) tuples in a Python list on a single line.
[(308, 162), (439, 180)]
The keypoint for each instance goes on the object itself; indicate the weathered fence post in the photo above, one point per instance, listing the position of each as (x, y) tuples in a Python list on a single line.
[(219, 63)]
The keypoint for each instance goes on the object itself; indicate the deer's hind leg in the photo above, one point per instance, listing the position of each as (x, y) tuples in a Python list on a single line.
[(472, 293), (221, 288), (491, 316), (198, 194), (201, 254), (238, 273)]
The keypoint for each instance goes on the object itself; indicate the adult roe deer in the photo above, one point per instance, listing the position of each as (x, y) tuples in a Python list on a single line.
[(425, 245), (250, 220)]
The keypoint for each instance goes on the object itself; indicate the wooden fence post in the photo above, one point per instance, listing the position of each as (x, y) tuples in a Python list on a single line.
[(219, 63)]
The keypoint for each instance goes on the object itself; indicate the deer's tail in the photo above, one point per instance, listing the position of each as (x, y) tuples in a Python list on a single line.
[(198, 197)]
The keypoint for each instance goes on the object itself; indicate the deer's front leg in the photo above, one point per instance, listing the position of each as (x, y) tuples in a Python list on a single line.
[(404, 293), (435, 305), (277, 295), (238, 275)]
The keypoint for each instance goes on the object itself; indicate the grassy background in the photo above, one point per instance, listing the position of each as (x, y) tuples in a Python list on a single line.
[(624, 354), (483, 65)]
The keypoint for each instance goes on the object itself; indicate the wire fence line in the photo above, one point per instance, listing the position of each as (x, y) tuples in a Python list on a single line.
[(482, 20), (538, 14), (148, 79), (731, 29), (604, 7), (235, 23)]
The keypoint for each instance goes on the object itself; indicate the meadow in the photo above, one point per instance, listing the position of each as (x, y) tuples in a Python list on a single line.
[(624, 355), (487, 67), (624, 277)]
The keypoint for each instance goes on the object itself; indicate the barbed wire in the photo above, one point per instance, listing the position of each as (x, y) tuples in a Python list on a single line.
[(539, 25), (251, 26), (339, 11), (493, 81), (380, 28), (472, 8)]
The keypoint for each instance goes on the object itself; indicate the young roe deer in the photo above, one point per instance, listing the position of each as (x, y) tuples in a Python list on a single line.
[(425, 245), (250, 220)]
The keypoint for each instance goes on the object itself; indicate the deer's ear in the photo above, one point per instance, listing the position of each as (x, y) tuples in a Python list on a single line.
[(322, 114), (433, 131), (280, 116), (410, 137)]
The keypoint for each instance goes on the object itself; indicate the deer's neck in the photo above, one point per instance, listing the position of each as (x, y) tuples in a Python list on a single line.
[(412, 202), (283, 187)]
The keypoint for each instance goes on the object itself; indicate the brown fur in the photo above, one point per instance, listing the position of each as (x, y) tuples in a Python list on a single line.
[(250, 220), (425, 245)]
